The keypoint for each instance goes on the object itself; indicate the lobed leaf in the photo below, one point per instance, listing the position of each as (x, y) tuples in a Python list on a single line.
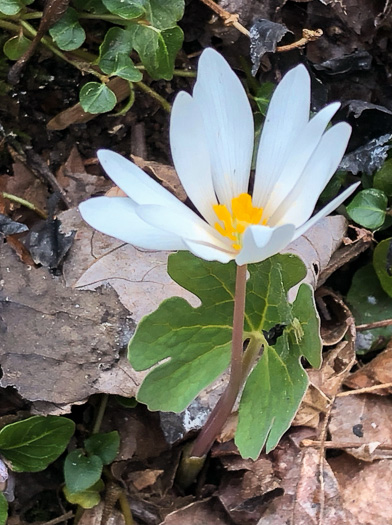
[(163, 14), (128, 9), (30, 445), (191, 346)]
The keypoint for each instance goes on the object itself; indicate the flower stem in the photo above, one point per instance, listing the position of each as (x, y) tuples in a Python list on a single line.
[(225, 404)]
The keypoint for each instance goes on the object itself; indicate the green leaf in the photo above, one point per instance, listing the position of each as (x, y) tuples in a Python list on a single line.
[(332, 188), (383, 178), (105, 446), (369, 303), (195, 342), (97, 98), (81, 472), (12, 7), (30, 445), (90, 6), (3, 509), (88, 498), (114, 55), (277, 384), (368, 208), (157, 49), (16, 46), (164, 14), (128, 9), (382, 262), (263, 96), (67, 32)]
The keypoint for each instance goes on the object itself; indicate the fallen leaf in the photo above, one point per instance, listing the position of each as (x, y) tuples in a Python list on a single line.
[(361, 420), (201, 512), (377, 372), (59, 345)]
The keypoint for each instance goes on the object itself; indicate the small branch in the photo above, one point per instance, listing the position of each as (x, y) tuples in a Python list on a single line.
[(375, 324), (229, 18), (26, 204), (364, 390), (147, 89), (60, 519), (308, 35), (342, 444)]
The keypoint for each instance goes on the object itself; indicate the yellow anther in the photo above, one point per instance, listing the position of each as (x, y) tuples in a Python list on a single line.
[(243, 213)]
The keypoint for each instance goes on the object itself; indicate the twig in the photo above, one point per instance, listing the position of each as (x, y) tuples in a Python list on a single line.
[(339, 445), (229, 18), (308, 35), (375, 324), (60, 519), (26, 204), (364, 390)]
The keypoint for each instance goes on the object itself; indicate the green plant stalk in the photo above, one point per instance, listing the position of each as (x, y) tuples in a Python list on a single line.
[(223, 408), (164, 103), (23, 202), (101, 411)]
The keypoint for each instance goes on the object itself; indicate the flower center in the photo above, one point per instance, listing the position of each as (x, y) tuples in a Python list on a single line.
[(243, 213)]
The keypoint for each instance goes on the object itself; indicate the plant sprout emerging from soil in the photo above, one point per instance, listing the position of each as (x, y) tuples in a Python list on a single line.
[(212, 140)]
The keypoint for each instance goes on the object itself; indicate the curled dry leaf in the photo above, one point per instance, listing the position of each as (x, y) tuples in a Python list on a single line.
[(334, 315), (377, 372), (316, 247), (165, 174)]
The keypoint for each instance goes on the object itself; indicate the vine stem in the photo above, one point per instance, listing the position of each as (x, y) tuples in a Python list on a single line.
[(223, 408)]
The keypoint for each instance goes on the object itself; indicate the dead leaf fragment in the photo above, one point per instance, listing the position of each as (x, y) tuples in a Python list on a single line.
[(377, 372)]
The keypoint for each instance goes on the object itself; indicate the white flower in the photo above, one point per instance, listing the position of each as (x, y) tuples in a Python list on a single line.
[(211, 136)]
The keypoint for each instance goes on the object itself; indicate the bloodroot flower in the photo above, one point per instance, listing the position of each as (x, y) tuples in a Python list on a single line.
[(212, 137)]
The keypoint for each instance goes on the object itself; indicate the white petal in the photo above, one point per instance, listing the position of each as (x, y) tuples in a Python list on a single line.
[(188, 227), (299, 205), (137, 185), (228, 122), (209, 253), (330, 207), (115, 216), (298, 157), (191, 156), (261, 242), (287, 115)]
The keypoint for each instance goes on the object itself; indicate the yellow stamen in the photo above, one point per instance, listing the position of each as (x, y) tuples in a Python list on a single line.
[(243, 213)]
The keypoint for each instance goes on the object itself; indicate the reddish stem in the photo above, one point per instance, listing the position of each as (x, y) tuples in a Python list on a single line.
[(225, 404)]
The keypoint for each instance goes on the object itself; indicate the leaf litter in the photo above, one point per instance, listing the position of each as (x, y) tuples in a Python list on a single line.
[(352, 431)]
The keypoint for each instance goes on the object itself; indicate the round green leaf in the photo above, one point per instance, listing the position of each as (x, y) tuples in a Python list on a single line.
[(10, 7), (67, 32), (383, 178), (368, 208), (97, 98), (114, 55), (369, 303), (30, 445), (382, 262), (81, 472), (16, 46), (3, 509), (128, 9), (164, 14), (87, 498), (104, 445)]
